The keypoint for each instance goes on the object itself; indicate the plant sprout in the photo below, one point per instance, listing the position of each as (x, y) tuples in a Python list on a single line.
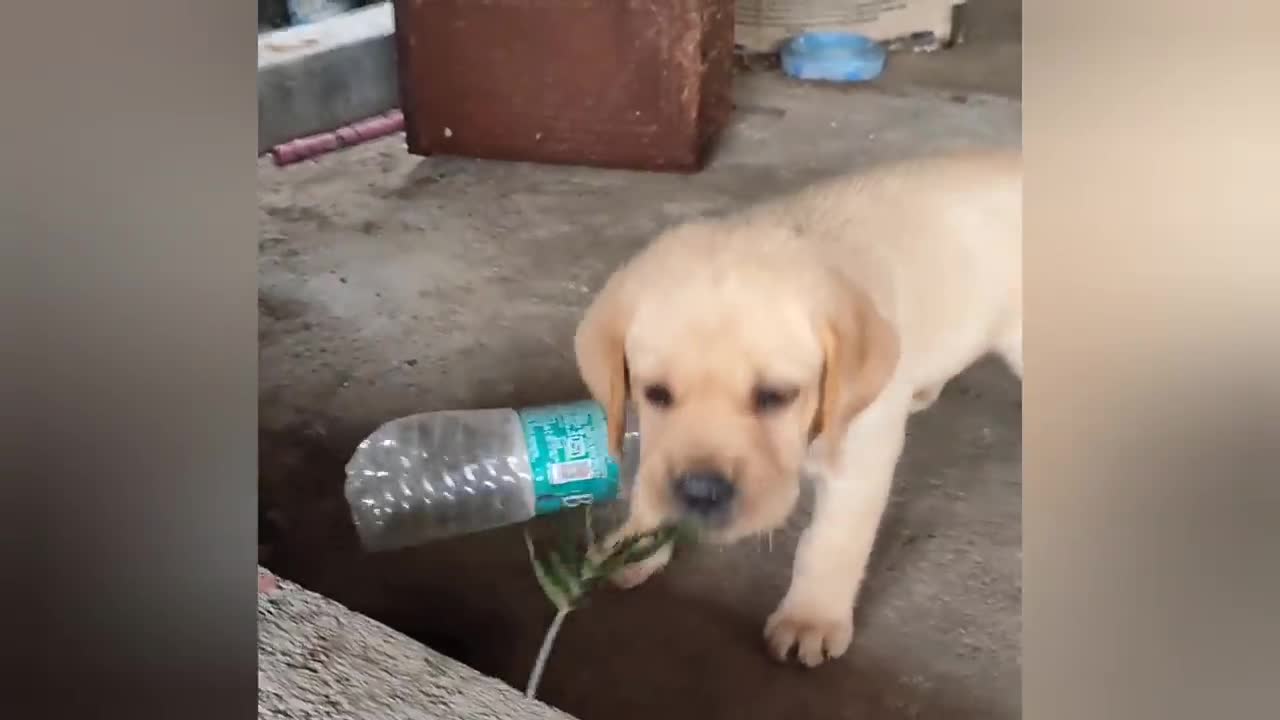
[(569, 573)]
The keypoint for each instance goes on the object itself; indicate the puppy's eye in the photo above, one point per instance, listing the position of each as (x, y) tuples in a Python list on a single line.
[(658, 395), (768, 399)]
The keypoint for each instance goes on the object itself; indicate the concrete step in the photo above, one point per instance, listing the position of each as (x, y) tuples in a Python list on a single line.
[(318, 659), (318, 77)]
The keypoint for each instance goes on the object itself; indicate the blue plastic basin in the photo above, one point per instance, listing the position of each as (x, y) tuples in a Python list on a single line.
[(833, 56)]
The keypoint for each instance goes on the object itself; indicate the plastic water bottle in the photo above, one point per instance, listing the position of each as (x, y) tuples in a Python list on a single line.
[(440, 474)]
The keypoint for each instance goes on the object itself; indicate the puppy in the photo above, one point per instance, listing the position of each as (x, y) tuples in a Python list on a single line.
[(799, 335)]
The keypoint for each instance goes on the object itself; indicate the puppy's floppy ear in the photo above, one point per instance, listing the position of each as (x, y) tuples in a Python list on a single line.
[(861, 354), (599, 348)]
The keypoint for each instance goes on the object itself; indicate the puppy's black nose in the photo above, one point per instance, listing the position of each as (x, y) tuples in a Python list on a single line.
[(704, 492)]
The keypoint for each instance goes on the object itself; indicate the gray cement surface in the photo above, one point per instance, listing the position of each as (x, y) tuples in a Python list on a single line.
[(392, 284)]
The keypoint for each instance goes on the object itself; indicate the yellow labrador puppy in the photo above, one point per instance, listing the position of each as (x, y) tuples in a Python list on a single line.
[(800, 334)]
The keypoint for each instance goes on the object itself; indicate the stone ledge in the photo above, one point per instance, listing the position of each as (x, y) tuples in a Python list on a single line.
[(318, 77), (318, 659)]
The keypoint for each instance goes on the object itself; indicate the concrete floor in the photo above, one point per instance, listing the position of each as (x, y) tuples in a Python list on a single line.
[(989, 61), (391, 284)]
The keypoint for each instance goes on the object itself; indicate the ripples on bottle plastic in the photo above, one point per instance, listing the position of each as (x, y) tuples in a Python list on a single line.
[(447, 473)]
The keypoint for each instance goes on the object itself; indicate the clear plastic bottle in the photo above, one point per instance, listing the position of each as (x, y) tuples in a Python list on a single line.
[(439, 474)]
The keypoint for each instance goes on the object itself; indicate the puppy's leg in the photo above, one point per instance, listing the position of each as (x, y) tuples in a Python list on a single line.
[(816, 615), (638, 522)]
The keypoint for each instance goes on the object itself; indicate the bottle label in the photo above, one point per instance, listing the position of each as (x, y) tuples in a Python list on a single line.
[(569, 454)]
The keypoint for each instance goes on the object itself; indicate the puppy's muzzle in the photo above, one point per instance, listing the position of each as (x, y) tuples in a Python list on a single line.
[(705, 494)]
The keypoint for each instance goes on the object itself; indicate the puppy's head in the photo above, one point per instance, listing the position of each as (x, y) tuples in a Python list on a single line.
[(735, 363)]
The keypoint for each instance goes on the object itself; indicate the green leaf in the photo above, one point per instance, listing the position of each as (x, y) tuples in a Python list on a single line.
[(647, 546), (567, 578), (549, 587), (588, 530), (566, 583), (613, 562), (570, 549), (590, 568), (569, 573), (685, 534), (634, 549)]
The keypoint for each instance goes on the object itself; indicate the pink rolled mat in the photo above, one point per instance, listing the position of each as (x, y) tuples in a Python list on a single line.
[(363, 131)]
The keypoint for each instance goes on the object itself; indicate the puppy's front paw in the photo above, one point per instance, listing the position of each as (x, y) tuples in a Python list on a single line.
[(815, 636)]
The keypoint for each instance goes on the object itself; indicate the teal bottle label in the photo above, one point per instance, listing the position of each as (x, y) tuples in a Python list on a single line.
[(569, 454)]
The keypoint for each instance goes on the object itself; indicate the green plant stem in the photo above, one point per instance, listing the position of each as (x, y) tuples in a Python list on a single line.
[(544, 652)]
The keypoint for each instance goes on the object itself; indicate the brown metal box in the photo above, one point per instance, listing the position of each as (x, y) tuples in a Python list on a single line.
[(640, 84)]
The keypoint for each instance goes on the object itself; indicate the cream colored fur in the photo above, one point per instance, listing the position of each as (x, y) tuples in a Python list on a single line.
[(863, 295)]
